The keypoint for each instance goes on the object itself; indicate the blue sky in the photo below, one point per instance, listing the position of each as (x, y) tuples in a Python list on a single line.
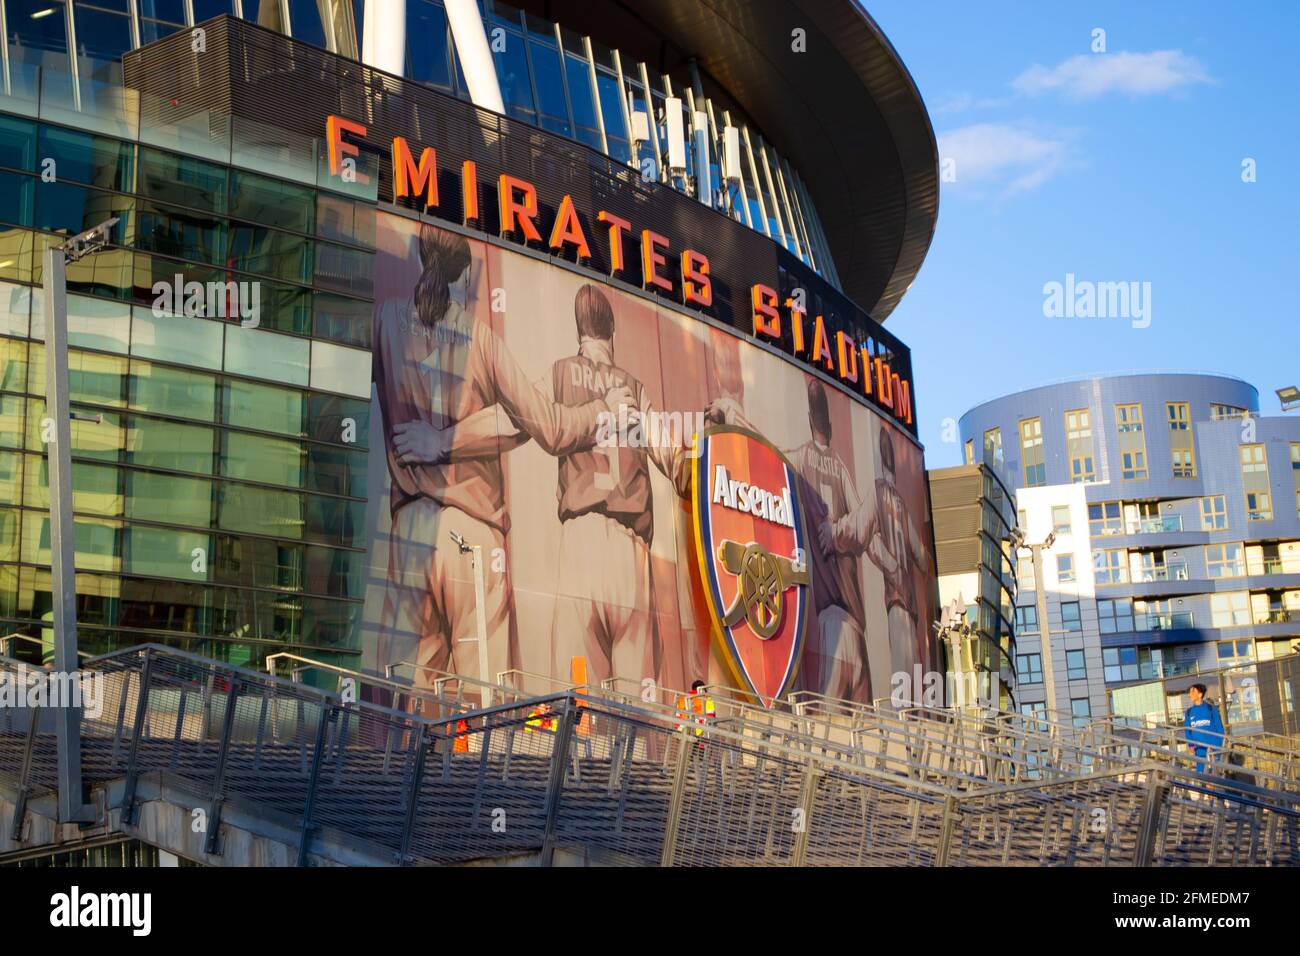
[(1123, 166)]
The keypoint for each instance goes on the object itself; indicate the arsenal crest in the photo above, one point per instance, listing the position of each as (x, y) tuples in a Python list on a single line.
[(750, 546)]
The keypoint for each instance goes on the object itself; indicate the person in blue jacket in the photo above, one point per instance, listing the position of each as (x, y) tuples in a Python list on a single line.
[(1203, 727)]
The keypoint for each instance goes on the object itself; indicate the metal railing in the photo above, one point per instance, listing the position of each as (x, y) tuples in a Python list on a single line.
[(820, 782)]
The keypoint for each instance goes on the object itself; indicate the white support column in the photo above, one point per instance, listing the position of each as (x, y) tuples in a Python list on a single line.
[(383, 44), (475, 56)]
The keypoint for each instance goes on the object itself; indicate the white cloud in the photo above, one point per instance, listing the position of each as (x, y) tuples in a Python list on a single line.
[(1009, 159), (1090, 75)]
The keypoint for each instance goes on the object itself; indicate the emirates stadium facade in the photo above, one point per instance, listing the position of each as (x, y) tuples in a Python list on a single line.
[(597, 289)]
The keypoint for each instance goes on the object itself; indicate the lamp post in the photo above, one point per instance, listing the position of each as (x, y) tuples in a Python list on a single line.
[(63, 583), (480, 613), (1040, 599)]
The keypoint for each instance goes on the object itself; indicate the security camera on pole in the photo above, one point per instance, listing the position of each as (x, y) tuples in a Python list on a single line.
[(63, 586)]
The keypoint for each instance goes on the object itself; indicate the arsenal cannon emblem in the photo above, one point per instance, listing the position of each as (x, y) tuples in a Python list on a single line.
[(751, 553)]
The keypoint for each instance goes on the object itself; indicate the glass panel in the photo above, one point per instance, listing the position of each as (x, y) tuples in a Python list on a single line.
[(163, 552), (174, 232), (17, 143), (271, 202), (272, 461), (263, 407), (340, 269), (182, 180), (64, 207), (345, 220), (512, 71), (259, 354), (185, 394), (101, 35), (260, 510), (17, 197), (176, 338), (36, 29), (83, 158), (94, 487), (256, 562), (173, 10), (579, 80), (336, 521), (336, 471), (342, 319), (102, 440), (152, 30), (335, 572), (158, 444), (426, 45), (270, 252), (207, 9), (611, 108), (304, 17), (334, 419), (169, 499), (338, 369), (550, 80)]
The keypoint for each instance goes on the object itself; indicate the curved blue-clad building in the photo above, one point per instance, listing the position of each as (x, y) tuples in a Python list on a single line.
[(1176, 513)]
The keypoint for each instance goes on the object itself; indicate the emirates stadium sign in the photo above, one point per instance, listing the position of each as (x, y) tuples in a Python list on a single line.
[(684, 275)]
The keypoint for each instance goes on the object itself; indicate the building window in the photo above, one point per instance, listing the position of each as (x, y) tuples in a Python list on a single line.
[(1225, 560), (1031, 452), (970, 451), (1027, 620), (1181, 452), (1253, 459), (1230, 609), (1080, 710), (1065, 569), (1070, 620), (1029, 668), (1134, 465), (1259, 506), (993, 445), (1128, 418), (1061, 519), (1078, 440), (1235, 653), (1110, 567), (1076, 666), (1115, 617), (1104, 518), (1214, 513), (1220, 412), (1024, 572), (1036, 709)]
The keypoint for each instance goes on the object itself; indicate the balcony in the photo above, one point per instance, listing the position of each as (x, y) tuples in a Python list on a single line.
[(1160, 572), (1176, 620), (1167, 524), (1277, 615)]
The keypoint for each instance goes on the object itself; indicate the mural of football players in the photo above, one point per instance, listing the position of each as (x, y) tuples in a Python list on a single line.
[(837, 651), (605, 609), (895, 545), (440, 370)]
